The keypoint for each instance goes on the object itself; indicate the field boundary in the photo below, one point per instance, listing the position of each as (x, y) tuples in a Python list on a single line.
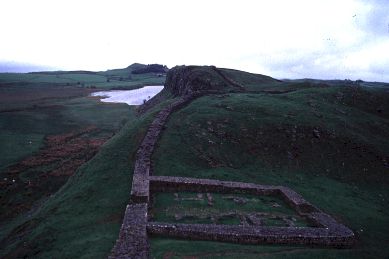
[(133, 240)]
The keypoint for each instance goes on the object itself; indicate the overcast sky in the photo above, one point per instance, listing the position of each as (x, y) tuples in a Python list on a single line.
[(281, 38)]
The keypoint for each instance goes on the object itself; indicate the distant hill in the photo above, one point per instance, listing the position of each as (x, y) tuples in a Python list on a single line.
[(152, 68), (122, 78)]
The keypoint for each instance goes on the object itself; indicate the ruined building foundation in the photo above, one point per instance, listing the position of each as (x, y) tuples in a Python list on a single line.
[(133, 236)]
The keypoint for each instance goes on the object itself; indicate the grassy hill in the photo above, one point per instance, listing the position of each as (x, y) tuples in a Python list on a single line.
[(332, 151), (115, 78), (50, 126), (34, 105), (327, 140)]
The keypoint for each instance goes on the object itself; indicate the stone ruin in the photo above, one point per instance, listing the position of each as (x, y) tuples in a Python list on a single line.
[(137, 226), (327, 231)]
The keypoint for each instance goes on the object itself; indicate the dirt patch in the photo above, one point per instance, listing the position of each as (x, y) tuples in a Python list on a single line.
[(42, 174)]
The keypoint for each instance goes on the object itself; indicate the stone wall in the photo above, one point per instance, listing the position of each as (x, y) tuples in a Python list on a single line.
[(251, 235), (228, 79), (132, 241), (173, 184), (142, 169)]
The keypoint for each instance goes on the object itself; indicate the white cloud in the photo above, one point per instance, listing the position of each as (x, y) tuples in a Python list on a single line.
[(301, 38)]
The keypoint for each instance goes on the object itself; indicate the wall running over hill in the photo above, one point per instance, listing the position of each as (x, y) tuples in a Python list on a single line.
[(187, 84)]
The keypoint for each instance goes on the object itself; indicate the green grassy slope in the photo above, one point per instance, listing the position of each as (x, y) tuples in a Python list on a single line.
[(187, 207), (23, 131), (328, 143), (84, 217), (116, 78), (252, 82), (33, 107)]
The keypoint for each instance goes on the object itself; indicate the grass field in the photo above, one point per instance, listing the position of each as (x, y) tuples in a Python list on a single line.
[(33, 105), (331, 150), (215, 208), (49, 126), (117, 78), (327, 142), (23, 130)]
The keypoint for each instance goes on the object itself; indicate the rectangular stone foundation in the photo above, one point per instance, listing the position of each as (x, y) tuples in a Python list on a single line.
[(173, 184), (328, 232)]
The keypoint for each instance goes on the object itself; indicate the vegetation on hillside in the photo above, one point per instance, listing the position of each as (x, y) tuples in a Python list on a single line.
[(151, 68), (115, 78), (328, 143), (326, 140), (49, 127)]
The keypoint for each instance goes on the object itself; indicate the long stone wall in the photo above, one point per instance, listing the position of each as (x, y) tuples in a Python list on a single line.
[(133, 240), (172, 184), (228, 79), (140, 185), (251, 235)]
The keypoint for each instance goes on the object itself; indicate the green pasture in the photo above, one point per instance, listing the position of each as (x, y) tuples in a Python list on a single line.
[(327, 142)]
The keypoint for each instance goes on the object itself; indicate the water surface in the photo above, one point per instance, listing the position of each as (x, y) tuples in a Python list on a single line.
[(130, 97)]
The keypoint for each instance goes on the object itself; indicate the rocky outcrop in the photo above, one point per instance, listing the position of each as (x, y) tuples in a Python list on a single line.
[(183, 80), (193, 81)]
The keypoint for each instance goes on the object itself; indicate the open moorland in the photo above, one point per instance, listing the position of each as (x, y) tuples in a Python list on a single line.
[(327, 140), (50, 126)]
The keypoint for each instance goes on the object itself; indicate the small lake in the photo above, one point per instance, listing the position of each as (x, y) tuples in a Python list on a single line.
[(130, 97)]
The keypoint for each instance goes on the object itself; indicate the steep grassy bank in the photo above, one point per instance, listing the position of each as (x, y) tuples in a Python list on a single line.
[(328, 143), (48, 128), (83, 218)]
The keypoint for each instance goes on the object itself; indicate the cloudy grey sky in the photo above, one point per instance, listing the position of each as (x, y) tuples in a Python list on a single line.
[(281, 38)]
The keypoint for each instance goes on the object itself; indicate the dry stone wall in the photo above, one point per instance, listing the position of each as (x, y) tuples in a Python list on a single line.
[(229, 80), (173, 184), (133, 236), (250, 235), (132, 241), (140, 182)]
